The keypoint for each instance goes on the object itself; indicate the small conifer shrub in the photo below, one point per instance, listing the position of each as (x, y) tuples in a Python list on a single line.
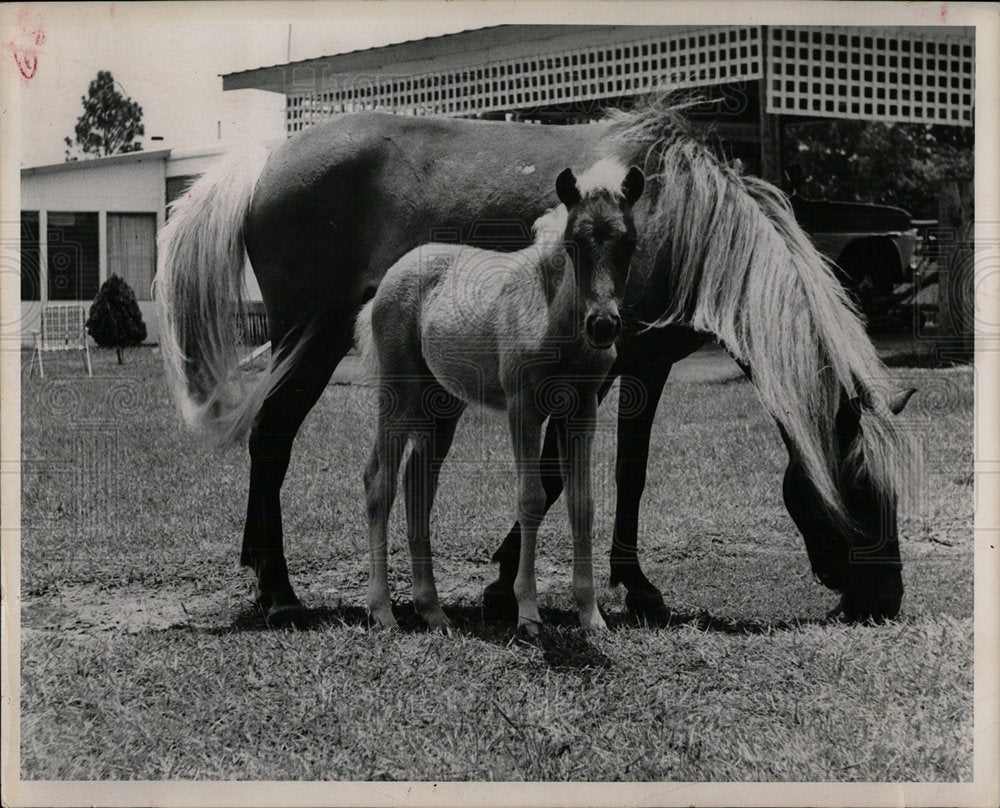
[(115, 320)]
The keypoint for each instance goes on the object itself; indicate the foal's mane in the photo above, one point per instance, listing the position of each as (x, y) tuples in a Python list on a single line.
[(603, 177)]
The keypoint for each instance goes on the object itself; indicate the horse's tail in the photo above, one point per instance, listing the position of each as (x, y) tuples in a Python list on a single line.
[(202, 300), (365, 341), (741, 268)]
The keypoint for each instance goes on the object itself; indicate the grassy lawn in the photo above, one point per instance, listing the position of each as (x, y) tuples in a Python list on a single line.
[(142, 656)]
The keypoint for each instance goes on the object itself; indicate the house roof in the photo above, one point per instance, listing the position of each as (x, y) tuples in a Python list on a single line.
[(97, 162)]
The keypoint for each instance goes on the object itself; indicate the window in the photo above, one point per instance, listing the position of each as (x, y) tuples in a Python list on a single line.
[(73, 255), (177, 187), (132, 250), (31, 281)]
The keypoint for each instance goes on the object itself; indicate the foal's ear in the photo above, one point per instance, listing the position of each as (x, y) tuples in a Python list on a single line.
[(899, 400), (566, 188), (633, 184)]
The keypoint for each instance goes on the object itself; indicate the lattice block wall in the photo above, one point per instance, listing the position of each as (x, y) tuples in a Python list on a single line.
[(680, 58), (916, 75)]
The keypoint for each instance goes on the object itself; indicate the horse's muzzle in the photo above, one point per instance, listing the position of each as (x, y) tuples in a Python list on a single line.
[(602, 329)]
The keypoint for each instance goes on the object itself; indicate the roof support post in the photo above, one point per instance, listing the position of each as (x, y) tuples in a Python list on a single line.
[(770, 124)]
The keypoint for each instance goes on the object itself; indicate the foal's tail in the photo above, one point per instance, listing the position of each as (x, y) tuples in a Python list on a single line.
[(365, 340), (202, 299), (741, 268)]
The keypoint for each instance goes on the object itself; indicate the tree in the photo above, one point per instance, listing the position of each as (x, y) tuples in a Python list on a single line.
[(110, 123), (115, 320), (889, 164)]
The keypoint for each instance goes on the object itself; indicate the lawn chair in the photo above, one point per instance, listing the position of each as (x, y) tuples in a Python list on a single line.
[(63, 329)]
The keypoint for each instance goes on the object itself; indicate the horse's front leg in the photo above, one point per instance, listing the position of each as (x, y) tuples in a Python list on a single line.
[(525, 431), (635, 422), (576, 438)]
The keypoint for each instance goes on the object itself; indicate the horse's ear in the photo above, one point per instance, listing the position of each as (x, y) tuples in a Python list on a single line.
[(566, 188), (633, 184), (899, 400), (848, 422)]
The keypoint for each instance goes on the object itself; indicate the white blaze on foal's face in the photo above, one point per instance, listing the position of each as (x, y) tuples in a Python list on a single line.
[(600, 237)]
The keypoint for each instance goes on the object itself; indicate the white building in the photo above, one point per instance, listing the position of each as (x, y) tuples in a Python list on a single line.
[(84, 221)]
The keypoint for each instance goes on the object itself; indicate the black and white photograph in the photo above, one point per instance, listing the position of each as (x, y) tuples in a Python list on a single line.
[(500, 403)]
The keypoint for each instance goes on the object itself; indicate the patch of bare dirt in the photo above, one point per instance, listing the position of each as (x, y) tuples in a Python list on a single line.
[(90, 611)]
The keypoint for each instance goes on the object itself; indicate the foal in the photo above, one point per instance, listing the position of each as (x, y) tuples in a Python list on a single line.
[(530, 332)]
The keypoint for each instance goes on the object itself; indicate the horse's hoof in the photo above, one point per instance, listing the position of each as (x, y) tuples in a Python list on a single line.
[(648, 607), (280, 615), (499, 602)]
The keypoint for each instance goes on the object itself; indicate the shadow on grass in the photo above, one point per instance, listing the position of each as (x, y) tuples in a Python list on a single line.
[(562, 644)]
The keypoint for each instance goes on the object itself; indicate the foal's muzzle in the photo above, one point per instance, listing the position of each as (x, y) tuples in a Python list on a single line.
[(602, 329)]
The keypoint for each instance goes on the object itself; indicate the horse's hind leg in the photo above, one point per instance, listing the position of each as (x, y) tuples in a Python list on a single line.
[(270, 446), (420, 481)]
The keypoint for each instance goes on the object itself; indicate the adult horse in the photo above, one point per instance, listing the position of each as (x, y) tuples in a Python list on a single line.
[(720, 254)]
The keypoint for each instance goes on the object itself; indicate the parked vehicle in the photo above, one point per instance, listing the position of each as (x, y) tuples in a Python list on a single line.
[(872, 245)]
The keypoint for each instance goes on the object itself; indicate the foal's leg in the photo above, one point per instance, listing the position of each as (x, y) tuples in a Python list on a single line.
[(525, 430), (380, 492), (498, 597), (270, 446), (634, 427), (576, 437), (420, 481)]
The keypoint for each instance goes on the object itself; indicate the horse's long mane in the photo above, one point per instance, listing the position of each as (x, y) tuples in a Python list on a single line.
[(740, 267)]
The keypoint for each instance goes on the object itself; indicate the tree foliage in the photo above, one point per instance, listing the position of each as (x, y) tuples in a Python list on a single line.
[(115, 320), (889, 164), (110, 123)]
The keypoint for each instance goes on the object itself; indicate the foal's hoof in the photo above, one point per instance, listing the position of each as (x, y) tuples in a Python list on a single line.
[(383, 619), (593, 623), (438, 622), (529, 629), (499, 602)]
